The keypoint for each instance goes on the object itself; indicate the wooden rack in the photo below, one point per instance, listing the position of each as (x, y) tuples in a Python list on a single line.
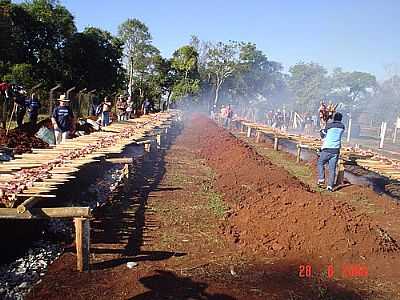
[(143, 130)]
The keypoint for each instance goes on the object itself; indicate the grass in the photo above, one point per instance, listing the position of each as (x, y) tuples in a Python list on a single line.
[(215, 200), (216, 204), (13, 123), (280, 158)]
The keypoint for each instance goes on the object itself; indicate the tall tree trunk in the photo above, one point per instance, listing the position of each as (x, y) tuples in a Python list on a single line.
[(216, 94), (130, 78)]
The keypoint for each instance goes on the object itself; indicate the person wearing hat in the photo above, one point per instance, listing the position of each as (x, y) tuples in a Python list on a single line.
[(63, 120)]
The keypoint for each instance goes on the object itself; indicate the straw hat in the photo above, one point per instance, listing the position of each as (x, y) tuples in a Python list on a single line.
[(63, 98)]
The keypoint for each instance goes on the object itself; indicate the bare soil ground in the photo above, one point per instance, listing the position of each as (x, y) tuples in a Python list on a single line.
[(214, 218)]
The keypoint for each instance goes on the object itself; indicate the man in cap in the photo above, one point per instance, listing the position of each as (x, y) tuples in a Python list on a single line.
[(63, 120)]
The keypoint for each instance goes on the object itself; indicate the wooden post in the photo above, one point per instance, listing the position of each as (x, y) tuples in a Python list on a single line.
[(159, 138), (276, 143), (340, 174), (258, 136), (147, 147), (82, 240), (248, 131), (298, 158), (349, 131), (383, 132), (395, 134)]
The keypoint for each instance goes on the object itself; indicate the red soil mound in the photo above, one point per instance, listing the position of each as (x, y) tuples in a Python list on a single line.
[(23, 140), (273, 212)]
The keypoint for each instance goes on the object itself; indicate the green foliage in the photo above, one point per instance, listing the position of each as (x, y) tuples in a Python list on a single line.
[(221, 62), (21, 74), (351, 88), (308, 84), (139, 54), (186, 76), (184, 60), (257, 81), (185, 87), (93, 58)]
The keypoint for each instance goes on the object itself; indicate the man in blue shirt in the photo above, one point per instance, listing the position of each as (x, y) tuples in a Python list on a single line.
[(33, 108), (330, 150), (63, 120)]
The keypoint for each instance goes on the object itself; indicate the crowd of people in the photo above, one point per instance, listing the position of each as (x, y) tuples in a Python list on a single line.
[(226, 114), (124, 108), (16, 104), (277, 118)]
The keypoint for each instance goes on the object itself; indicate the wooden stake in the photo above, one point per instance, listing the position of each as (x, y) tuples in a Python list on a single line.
[(248, 131), (159, 139), (383, 132), (82, 240), (349, 131), (298, 158), (395, 134), (276, 143), (340, 175), (258, 136)]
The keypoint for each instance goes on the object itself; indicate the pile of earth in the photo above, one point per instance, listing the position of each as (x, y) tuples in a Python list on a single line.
[(23, 139), (272, 212)]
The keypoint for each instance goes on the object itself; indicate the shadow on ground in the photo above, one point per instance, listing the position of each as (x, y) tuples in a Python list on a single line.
[(166, 285), (123, 226)]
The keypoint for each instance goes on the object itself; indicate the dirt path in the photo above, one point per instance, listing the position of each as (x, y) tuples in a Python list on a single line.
[(212, 219)]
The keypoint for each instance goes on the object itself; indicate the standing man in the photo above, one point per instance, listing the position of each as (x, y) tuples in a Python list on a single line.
[(330, 150), (129, 108), (228, 117), (63, 120), (146, 106), (121, 108), (105, 114), (33, 108)]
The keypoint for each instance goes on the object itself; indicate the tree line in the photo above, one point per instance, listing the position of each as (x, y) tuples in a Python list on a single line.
[(39, 42)]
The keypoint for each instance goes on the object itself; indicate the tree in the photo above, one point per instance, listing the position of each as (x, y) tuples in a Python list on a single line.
[(39, 32), (257, 81), (137, 39), (222, 60), (384, 104), (184, 63), (94, 58), (351, 88), (21, 74), (308, 84)]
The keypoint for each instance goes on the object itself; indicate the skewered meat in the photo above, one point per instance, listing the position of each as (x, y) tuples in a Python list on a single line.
[(26, 177)]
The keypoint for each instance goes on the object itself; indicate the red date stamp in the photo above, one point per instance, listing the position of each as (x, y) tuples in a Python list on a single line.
[(345, 271)]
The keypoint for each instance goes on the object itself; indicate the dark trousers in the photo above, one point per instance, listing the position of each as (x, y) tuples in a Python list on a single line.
[(20, 116), (33, 117)]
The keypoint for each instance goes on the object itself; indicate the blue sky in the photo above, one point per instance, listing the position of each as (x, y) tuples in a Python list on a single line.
[(358, 35)]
